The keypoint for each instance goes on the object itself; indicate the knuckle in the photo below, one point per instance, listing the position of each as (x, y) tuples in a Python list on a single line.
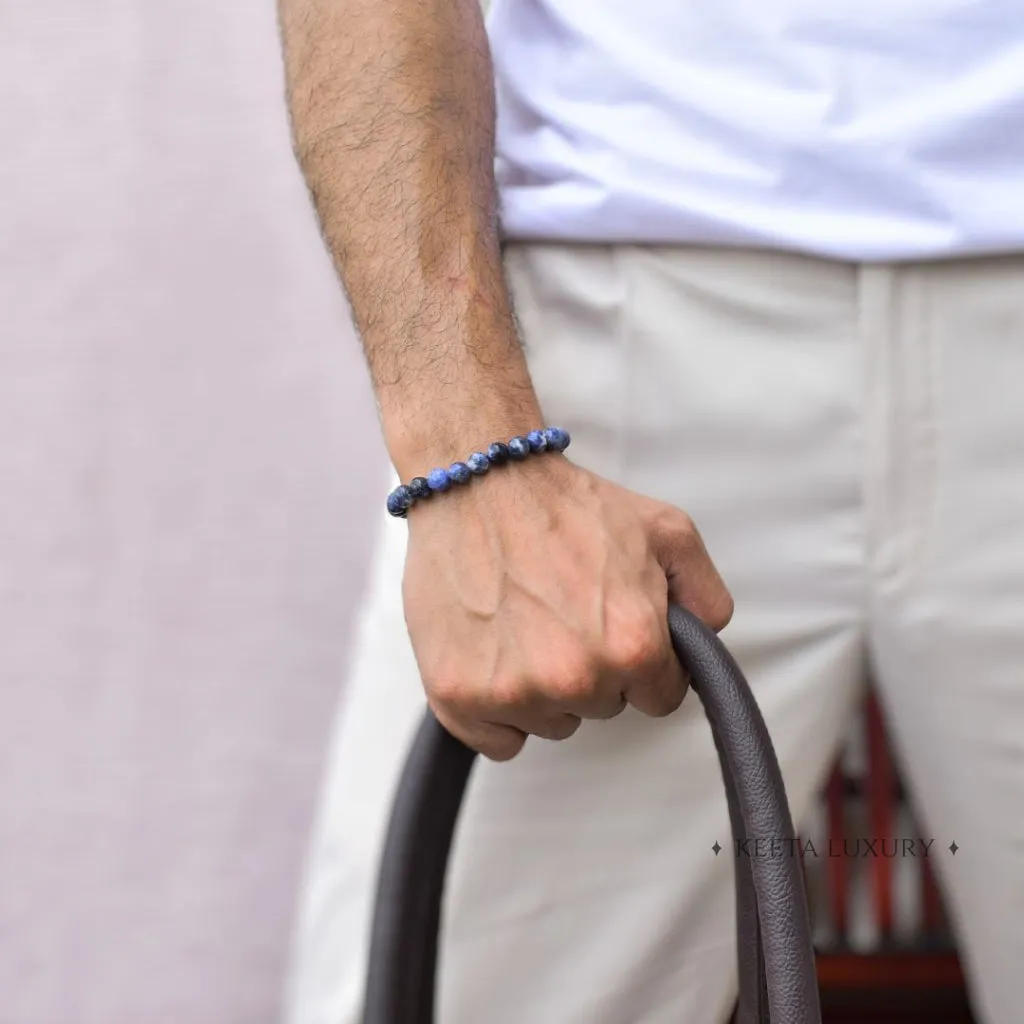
[(571, 680), (680, 526), (444, 690), (634, 646), (685, 524), (508, 692)]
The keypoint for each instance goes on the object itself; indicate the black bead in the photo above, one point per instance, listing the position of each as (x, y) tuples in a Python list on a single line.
[(419, 488), (399, 501), (498, 453)]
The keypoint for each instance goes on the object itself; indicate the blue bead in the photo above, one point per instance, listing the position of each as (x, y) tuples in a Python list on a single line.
[(419, 488), (438, 480), (538, 442), (558, 439), (459, 472), (399, 501), (478, 463), (518, 448), (497, 454)]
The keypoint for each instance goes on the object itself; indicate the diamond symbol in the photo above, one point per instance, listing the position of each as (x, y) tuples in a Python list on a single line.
[(953, 847), (716, 848)]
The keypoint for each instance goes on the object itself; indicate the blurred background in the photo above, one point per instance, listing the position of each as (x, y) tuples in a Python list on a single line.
[(191, 467)]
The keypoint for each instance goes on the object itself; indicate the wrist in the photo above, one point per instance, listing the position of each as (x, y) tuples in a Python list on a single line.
[(499, 457), (419, 441)]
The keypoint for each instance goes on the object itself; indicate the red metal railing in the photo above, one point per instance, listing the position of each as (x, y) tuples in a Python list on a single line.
[(900, 977)]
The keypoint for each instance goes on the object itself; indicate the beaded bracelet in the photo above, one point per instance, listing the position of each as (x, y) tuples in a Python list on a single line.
[(403, 497)]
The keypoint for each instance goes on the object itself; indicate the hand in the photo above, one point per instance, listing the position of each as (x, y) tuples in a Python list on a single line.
[(538, 596)]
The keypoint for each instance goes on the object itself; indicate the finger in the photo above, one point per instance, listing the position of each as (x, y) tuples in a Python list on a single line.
[(495, 741), (533, 713), (659, 690), (606, 701), (693, 580), (638, 661), (565, 682), (550, 726)]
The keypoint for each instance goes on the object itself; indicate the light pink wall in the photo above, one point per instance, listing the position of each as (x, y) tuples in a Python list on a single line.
[(189, 471)]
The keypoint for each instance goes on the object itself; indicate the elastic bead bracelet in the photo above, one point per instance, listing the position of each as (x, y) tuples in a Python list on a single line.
[(403, 497)]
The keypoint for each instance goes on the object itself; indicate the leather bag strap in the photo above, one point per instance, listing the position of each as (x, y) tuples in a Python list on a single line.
[(777, 979)]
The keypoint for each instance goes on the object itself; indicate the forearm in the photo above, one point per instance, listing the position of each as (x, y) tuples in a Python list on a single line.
[(392, 108)]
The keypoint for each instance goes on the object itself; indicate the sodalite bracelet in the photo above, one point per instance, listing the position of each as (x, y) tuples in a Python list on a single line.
[(403, 497)]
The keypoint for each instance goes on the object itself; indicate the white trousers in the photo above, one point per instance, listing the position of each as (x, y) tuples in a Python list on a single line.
[(850, 442)]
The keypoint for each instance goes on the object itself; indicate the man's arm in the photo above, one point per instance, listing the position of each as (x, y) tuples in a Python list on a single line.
[(392, 105), (539, 597)]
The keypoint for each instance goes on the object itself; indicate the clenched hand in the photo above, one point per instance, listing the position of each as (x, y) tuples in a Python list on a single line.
[(538, 596)]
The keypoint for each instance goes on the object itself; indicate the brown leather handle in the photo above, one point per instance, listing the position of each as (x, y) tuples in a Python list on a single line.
[(777, 977)]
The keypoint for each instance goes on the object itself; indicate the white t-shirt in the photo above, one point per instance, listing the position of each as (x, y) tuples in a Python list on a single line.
[(857, 129)]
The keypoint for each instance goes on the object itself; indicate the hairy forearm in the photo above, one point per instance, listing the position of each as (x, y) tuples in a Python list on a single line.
[(392, 109)]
